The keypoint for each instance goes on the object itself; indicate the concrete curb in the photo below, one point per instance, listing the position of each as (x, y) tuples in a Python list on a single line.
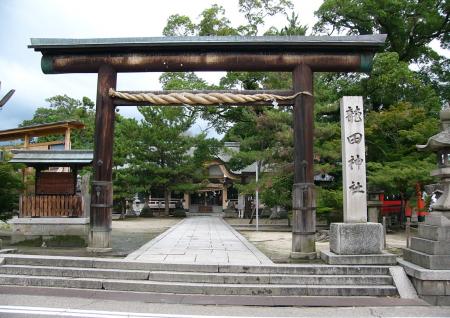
[(404, 286)]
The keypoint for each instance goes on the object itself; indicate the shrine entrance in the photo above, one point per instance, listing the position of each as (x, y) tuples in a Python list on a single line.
[(297, 54)]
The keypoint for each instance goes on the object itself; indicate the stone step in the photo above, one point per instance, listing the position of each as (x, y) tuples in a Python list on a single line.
[(430, 246), (208, 214), (435, 233), (74, 272), (105, 263), (200, 288), (426, 260), (217, 278), (233, 278)]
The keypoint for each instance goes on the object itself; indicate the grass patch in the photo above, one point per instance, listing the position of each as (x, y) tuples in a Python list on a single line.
[(37, 242), (54, 241), (65, 241)]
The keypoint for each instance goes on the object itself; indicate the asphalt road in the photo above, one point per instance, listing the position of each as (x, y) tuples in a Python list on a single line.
[(22, 303)]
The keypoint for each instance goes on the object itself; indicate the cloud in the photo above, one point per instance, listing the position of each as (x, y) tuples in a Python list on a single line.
[(21, 20)]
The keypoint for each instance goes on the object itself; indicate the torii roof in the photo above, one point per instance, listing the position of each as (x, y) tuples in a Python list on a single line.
[(371, 43)]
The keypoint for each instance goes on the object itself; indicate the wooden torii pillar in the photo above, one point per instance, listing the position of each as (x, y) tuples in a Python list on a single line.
[(297, 54)]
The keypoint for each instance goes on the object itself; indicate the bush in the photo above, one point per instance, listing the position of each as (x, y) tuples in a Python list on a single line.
[(146, 212), (10, 187)]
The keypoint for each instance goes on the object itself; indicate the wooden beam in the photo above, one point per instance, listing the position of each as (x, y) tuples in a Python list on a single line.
[(210, 61)]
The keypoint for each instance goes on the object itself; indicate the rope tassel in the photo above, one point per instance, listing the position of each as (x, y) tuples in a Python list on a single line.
[(200, 98)]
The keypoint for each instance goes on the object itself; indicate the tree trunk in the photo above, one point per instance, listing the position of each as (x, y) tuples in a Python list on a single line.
[(166, 201)]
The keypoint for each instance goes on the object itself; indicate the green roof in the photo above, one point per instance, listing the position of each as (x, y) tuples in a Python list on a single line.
[(58, 158)]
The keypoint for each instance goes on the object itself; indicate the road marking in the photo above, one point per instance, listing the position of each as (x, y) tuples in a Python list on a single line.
[(66, 312)]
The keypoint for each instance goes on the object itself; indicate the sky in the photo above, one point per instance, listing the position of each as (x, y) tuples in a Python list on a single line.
[(21, 20)]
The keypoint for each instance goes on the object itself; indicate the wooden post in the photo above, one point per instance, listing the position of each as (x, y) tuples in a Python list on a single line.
[(102, 195), (67, 142), (224, 197), (26, 141), (303, 194), (186, 201)]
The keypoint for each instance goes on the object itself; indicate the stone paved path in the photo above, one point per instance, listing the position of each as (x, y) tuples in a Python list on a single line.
[(200, 240)]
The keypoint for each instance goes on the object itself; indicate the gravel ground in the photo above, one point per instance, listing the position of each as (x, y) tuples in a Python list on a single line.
[(127, 236), (277, 245)]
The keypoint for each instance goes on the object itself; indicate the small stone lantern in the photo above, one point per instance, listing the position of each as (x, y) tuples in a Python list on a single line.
[(440, 143)]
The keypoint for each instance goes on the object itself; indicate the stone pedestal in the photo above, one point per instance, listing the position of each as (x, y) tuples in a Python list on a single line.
[(357, 244), (430, 249), (47, 228), (356, 238), (427, 261)]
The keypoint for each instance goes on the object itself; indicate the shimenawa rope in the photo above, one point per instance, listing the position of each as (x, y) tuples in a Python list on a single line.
[(200, 98)]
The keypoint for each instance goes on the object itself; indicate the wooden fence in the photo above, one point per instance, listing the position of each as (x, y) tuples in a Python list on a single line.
[(51, 206)]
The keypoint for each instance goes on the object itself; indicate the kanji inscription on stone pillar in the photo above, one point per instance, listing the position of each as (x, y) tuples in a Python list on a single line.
[(353, 159)]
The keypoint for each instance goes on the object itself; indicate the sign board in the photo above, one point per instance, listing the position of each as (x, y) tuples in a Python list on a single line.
[(353, 159)]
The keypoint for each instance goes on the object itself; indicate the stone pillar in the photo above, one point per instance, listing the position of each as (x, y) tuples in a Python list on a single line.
[(355, 241), (353, 159)]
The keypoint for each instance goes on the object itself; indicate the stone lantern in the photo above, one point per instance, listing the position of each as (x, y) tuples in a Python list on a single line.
[(427, 261), (440, 143)]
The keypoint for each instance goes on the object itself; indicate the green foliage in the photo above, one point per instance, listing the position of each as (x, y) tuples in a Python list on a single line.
[(292, 28), (393, 134), (214, 22), (277, 190), (400, 176), (330, 204), (392, 81), (179, 25), (10, 187), (394, 164), (164, 155), (124, 181), (146, 212), (256, 11), (410, 25)]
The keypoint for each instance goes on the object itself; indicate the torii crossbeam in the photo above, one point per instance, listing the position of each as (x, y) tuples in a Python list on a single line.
[(301, 55)]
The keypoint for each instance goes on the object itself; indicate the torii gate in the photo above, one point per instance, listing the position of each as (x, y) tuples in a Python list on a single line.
[(301, 55)]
